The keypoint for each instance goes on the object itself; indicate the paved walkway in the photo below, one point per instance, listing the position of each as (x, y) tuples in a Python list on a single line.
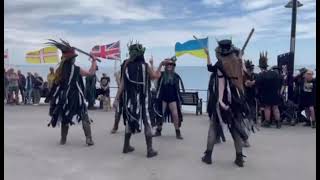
[(31, 151)]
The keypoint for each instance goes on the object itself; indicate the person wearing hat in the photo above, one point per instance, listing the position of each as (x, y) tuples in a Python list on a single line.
[(67, 93), (168, 98), (269, 84), (226, 100)]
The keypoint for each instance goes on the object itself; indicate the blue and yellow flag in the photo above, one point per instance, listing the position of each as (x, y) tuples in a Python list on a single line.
[(193, 47)]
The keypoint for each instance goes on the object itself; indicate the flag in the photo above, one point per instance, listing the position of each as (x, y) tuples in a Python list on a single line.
[(193, 47), (109, 51), (6, 54), (48, 55)]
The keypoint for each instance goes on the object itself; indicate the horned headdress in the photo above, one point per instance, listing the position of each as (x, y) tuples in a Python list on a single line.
[(263, 60)]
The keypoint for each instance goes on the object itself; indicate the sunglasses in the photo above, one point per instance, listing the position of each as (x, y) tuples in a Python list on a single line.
[(171, 64)]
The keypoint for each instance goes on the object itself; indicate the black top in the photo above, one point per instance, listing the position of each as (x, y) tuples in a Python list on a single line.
[(22, 80), (250, 92), (269, 84), (38, 81)]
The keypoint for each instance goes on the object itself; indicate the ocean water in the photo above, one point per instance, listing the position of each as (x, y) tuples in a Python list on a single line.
[(194, 78)]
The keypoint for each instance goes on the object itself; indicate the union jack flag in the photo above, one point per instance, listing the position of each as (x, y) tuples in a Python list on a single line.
[(109, 51)]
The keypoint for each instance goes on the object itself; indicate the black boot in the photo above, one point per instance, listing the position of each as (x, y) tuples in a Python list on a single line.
[(87, 131), (207, 157), (313, 124), (150, 151), (116, 124), (308, 123), (126, 147), (239, 159), (64, 133), (178, 134), (218, 140), (266, 124), (278, 124), (157, 133)]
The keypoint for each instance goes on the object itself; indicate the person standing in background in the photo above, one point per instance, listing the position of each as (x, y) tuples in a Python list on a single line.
[(6, 83), (50, 78), (104, 94), (37, 84), (22, 86), (90, 92), (29, 87), (308, 97), (13, 87)]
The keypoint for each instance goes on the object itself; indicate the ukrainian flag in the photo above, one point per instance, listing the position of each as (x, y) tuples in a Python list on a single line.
[(193, 47), (48, 55)]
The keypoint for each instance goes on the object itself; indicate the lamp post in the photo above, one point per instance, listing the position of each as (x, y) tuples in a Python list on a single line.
[(294, 4)]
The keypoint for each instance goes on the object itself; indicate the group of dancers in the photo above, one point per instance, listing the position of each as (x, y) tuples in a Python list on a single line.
[(138, 104)]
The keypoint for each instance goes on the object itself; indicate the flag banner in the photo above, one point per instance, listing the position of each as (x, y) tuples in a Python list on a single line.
[(109, 51), (48, 55), (193, 47), (6, 54)]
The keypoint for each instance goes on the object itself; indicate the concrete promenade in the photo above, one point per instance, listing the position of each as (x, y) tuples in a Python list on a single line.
[(32, 151)]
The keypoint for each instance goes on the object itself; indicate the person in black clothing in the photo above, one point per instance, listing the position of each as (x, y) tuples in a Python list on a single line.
[(250, 92), (90, 92), (135, 86), (168, 99), (269, 84), (29, 88), (22, 85), (37, 86), (308, 97), (226, 102), (67, 93), (298, 83)]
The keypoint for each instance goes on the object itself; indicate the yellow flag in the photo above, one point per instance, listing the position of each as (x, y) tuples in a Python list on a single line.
[(48, 55)]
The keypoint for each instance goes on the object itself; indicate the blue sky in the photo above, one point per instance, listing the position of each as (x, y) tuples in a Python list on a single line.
[(159, 25)]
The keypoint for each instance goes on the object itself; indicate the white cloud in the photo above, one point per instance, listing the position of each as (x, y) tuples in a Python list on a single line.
[(215, 3), (255, 4)]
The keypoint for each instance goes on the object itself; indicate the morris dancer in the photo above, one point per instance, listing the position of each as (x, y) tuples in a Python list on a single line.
[(67, 93), (135, 87), (226, 100), (168, 98)]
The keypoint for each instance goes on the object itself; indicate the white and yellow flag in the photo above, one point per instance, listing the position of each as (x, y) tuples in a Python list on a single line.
[(48, 55)]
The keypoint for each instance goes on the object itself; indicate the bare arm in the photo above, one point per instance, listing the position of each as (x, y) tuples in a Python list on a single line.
[(120, 90), (208, 56), (92, 69), (155, 74), (221, 82)]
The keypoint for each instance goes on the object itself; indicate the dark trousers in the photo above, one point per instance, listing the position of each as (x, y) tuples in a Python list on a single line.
[(22, 92), (212, 136)]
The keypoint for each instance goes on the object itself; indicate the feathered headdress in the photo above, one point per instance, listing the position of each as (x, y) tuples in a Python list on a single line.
[(68, 52), (263, 60)]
